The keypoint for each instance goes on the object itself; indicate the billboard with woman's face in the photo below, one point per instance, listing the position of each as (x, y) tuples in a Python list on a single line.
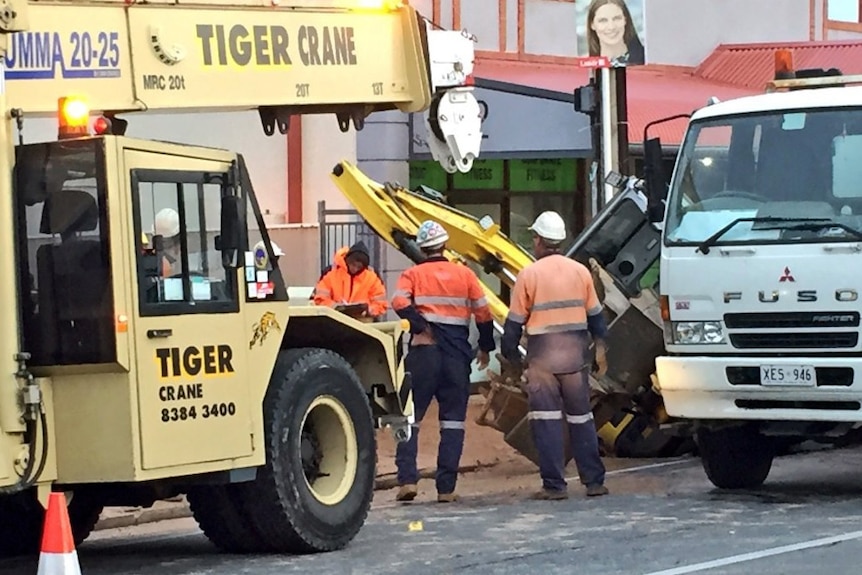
[(612, 28)]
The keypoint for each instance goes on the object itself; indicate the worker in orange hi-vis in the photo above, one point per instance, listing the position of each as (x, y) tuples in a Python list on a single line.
[(351, 280), (438, 298), (555, 299)]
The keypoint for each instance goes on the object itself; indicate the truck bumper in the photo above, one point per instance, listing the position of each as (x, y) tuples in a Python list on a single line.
[(730, 388)]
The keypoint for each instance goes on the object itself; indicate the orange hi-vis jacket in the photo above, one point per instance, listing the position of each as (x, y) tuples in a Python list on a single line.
[(445, 295), (338, 286), (555, 299)]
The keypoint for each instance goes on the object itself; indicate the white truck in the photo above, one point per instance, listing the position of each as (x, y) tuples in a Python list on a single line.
[(760, 273)]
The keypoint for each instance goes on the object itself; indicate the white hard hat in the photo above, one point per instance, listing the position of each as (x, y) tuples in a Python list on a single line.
[(167, 223), (549, 226), (431, 235)]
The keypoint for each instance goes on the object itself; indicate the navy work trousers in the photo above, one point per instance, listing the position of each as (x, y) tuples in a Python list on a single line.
[(551, 397), (436, 374)]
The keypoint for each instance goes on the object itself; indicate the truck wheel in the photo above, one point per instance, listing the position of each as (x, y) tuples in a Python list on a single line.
[(22, 520), (314, 493), (736, 457), (218, 512)]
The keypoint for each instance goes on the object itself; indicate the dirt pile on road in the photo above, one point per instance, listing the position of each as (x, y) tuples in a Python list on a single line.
[(483, 446)]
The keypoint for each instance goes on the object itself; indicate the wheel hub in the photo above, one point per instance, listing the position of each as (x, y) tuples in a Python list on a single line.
[(312, 454)]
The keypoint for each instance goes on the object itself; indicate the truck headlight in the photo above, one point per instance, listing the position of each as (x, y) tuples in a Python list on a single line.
[(697, 332)]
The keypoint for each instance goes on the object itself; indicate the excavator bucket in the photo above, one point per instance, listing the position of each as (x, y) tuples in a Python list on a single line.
[(621, 248)]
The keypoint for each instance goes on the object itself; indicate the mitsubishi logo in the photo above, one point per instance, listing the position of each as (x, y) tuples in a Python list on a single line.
[(786, 277)]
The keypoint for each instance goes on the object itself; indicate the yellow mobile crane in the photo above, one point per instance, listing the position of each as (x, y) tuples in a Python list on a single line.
[(148, 347)]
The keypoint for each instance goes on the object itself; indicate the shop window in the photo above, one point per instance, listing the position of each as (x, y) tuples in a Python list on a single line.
[(179, 269), (526, 207)]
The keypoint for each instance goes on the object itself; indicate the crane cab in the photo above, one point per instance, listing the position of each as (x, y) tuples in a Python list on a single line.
[(168, 324)]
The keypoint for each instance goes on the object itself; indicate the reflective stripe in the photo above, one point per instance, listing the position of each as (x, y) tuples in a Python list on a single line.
[(451, 424), (401, 293), (595, 310), (482, 301), (59, 563), (437, 318), (544, 415), (558, 304), (579, 418), (441, 300), (560, 328), (517, 318)]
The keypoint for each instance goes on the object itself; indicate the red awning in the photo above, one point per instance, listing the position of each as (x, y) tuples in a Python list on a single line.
[(653, 92)]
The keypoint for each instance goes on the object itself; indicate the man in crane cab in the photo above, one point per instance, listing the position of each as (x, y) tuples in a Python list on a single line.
[(167, 225), (351, 285)]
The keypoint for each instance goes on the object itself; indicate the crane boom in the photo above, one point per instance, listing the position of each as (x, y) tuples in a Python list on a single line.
[(308, 57)]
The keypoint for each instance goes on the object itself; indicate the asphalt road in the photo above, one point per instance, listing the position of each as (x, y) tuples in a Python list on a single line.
[(665, 520)]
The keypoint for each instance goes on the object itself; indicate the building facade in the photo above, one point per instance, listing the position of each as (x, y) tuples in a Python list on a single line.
[(537, 150)]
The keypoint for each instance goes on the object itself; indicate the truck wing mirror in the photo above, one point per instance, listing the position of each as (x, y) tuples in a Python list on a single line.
[(654, 179), (229, 240)]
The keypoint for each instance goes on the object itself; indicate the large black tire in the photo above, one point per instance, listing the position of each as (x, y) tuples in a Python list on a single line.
[(218, 511), (22, 519), (317, 423), (735, 457)]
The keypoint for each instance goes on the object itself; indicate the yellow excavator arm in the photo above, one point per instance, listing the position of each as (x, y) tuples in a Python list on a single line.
[(395, 214), (345, 57)]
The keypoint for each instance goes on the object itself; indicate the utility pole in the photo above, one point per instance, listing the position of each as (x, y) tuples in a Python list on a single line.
[(604, 101)]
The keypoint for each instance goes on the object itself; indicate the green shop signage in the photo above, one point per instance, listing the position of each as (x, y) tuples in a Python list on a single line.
[(557, 175), (427, 173)]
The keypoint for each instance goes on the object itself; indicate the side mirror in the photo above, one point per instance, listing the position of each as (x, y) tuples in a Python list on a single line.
[(229, 241), (654, 179)]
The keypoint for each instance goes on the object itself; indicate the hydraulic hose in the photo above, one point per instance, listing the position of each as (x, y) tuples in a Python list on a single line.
[(28, 477)]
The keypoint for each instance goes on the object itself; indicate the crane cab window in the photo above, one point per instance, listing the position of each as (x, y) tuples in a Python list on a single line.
[(177, 218), (66, 294)]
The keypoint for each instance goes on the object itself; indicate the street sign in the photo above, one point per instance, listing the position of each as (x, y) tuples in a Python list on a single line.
[(594, 62)]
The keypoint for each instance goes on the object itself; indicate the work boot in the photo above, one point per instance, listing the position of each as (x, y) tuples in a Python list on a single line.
[(596, 490), (407, 492), (550, 495), (447, 498)]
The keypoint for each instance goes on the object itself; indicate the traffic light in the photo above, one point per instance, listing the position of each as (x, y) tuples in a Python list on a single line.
[(585, 99)]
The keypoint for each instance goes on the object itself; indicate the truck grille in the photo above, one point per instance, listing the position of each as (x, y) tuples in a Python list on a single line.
[(791, 320), (794, 340)]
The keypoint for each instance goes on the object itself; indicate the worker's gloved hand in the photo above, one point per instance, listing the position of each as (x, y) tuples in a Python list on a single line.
[(601, 359), (482, 359), (510, 372)]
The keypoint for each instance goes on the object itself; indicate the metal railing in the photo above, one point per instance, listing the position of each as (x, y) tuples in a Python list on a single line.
[(339, 228)]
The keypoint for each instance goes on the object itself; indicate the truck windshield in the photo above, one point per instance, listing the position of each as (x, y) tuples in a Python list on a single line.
[(774, 171)]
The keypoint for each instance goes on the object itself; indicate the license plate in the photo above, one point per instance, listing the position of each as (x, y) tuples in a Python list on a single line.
[(796, 375)]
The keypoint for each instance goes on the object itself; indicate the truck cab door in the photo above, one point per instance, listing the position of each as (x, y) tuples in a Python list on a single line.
[(189, 334)]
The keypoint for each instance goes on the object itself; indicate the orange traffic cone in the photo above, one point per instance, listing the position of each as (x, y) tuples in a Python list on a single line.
[(58, 556)]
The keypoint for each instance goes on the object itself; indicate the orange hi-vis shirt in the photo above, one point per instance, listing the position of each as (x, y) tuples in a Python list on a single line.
[(445, 295), (555, 300), (337, 286), (552, 295)]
